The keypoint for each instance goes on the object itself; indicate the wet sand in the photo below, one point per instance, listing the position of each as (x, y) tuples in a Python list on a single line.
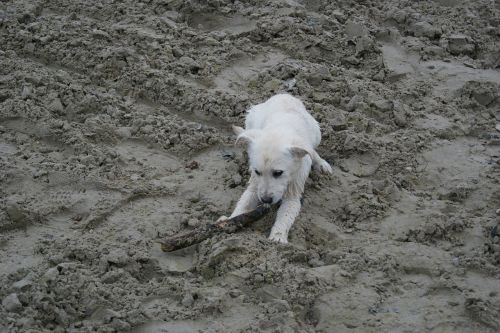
[(105, 105)]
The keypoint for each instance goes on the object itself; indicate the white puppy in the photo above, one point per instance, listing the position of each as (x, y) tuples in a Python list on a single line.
[(281, 137)]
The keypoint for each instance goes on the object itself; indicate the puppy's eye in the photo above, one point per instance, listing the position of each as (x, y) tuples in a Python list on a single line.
[(277, 173), (257, 172)]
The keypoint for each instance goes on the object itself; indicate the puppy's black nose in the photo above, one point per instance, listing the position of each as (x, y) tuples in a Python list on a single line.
[(267, 200)]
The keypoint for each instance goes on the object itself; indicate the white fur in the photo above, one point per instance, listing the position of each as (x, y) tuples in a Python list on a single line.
[(281, 136)]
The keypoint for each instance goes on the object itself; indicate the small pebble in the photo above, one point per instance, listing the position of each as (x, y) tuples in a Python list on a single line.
[(497, 127)]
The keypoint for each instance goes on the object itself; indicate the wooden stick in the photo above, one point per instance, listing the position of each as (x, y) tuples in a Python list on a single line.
[(206, 231)]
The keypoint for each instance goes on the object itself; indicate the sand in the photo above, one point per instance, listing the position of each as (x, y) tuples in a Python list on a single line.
[(115, 132)]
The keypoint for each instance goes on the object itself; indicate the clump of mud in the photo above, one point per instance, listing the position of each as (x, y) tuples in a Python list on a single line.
[(115, 131)]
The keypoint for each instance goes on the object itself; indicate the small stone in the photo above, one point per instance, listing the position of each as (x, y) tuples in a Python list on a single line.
[(498, 211), (11, 303), (497, 127)]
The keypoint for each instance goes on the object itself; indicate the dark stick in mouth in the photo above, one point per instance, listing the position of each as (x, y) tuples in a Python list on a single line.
[(206, 231)]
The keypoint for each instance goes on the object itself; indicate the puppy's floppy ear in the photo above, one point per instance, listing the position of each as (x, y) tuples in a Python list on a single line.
[(298, 152), (237, 130), (244, 136)]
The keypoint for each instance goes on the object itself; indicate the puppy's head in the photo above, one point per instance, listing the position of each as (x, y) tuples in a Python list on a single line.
[(274, 163)]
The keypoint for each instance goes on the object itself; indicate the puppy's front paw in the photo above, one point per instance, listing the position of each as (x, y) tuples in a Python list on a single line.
[(278, 237), (324, 167)]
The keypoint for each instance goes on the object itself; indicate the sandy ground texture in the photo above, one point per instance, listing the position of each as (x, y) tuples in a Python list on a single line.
[(114, 132)]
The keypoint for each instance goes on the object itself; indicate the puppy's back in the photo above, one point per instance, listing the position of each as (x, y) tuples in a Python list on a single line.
[(284, 110)]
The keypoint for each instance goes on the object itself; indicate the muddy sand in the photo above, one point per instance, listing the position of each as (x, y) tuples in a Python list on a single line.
[(115, 132)]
